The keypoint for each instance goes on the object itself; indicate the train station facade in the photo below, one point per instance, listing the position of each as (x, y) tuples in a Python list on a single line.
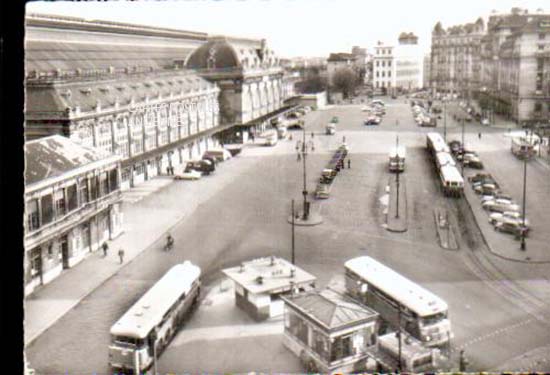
[(156, 97)]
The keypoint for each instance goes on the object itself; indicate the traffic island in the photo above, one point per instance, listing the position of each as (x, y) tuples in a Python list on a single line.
[(444, 229), (314, 218), (396, 217)]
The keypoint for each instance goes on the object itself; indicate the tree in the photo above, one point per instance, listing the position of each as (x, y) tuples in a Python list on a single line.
[(313, 81), (346, 81)]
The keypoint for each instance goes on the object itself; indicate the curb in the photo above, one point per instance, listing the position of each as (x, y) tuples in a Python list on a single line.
[(102, 282), (490, 248)]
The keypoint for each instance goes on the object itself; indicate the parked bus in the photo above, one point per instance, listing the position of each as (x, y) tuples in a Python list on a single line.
[(444, 158), (151, 323), (521, 148), (451, 181), (397, 158), (423, 314), (436, 143)]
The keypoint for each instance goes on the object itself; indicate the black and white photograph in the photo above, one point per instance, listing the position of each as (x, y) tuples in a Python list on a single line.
[(285, 187)]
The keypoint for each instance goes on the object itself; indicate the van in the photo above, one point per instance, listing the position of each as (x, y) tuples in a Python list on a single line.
[(219, 154), (281, 132)]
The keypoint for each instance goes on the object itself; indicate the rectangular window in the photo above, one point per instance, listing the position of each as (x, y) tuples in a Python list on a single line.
[(541, 47), (35, 259), (72, 200), (542, 36), (33, 218), (60, 206), (103, 184), (94, 188), (538, 106), (47, 209), (83, 191), (85, 235), (113, 179)]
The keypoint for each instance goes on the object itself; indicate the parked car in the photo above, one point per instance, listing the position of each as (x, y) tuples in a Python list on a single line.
[(334, 119), (500, 205), (455, 146), (367, 108), (218, 154), (479, 177), (472, 161), (188, 175), (495, 195), (497, 217), (513, 227), (486, 189), (322, 191), (204, 166), (378, 101)]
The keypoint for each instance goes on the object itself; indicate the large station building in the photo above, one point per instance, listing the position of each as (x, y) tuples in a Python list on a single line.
[(157, 97)]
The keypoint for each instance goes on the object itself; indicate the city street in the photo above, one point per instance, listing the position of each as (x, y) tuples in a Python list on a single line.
[(499, 309)]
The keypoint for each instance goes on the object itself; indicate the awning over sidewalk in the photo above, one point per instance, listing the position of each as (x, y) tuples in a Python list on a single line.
[(182, 142), (269, 116)]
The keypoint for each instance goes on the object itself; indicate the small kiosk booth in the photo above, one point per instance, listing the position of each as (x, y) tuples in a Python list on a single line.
[(259, 283), (330, 332)]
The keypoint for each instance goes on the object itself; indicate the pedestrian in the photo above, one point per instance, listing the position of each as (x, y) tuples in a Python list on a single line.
[(252, 136), (121, 255), (349, 163), (172, 170), (105, 247), (299, 157), (167, 171), (344, 139), (311, 134), (479, 135)]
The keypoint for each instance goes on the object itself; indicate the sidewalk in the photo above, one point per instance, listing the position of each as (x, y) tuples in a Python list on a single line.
[(501, 244), (179, 200)]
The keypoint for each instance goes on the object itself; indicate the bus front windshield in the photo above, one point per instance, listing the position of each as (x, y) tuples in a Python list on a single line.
[(127, 341), (433, 319)]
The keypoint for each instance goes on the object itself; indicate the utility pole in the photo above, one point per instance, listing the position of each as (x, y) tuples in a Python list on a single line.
[(399, 365), (523, 245), (293, 231), (463, 146), (397, 179), (445, 120)]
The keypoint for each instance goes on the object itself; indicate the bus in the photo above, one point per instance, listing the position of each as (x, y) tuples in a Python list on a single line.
[(452, 182), (398, 300), (397, 158), (521, 148), (148, 326), (444, 158), (435, 144)]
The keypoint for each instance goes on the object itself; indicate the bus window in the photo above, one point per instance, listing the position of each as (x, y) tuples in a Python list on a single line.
[(432, 319)]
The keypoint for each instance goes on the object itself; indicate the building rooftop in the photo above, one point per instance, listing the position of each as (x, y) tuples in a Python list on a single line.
[(330, 309), (56, 155), (65, 91), (269, 275)]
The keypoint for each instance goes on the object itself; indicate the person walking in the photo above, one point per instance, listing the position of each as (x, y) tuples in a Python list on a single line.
[(312, 134), (479, 135), (105, 247), (121, 255), (349, 163)]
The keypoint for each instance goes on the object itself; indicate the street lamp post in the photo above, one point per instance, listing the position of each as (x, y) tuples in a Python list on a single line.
[(292, 222), (463, 146), (303, 151), (397, 177), (445, 120), (523, 245)]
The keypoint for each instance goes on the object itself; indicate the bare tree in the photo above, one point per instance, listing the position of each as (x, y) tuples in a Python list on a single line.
[(313, 81)]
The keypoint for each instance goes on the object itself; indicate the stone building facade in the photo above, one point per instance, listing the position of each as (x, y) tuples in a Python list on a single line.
[(72, 205), (455, 58)]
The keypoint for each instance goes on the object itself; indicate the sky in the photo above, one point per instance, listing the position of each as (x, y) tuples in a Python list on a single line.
[(296, 27)]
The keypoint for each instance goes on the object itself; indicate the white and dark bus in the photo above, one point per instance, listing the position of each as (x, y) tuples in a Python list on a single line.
[(522, 149), (398, 300), (452, 182), (149, 325), (397, 159)]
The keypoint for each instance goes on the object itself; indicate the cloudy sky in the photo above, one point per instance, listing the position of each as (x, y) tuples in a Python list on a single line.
[(296, 27)]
